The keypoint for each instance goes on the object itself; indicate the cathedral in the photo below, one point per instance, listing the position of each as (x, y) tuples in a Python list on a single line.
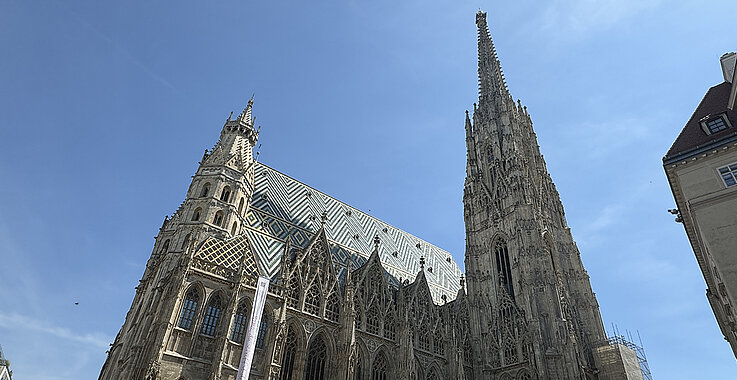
[(351, 297)]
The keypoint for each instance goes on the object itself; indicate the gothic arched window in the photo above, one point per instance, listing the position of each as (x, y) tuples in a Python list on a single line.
[(211, 316), (332, 307), (234, 228), (225, 195), (218, 219), (262, 329), (437, 346), (293, 293), (372, 320), (165, 247), (315, 364), (239, 323), (186, 240), (424, 340), (240, 205), (523, 375), (390, 330), (312, 300), (503, 267), (380, 367), (290, 351), (205, 190), (189, 308), (196, 214), (433, 375)]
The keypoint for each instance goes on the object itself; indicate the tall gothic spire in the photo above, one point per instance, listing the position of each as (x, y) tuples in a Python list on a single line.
[(491, 78)]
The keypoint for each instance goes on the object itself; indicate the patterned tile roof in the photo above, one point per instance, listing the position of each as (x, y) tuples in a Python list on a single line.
[(283, 208)]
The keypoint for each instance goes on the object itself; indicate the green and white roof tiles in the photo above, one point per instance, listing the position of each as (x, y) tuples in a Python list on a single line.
[(283, 208)]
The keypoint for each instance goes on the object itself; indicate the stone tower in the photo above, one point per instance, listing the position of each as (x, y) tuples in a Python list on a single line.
[(530, 299), (214, 209)]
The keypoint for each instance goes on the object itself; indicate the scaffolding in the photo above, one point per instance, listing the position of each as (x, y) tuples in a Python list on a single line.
[(639, 351)]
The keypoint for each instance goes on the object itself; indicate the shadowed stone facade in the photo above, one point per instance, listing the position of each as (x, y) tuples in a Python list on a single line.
[(354, 298)]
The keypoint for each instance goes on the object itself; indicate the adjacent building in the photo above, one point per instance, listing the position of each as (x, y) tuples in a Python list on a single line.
[(701, 167), (352, 297)]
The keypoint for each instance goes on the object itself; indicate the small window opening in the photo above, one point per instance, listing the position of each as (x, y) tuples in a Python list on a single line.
[(729, 174), (234, 228), (225, 195), (205, 190), (716, 125), (218, 219), (196, 215)]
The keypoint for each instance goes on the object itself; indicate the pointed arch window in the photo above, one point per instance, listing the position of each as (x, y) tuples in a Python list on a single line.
[(186, 240), (205, 190), (437, 346), (503, 267), (312, 300), (263, 328), (290, 351), (218, 219), (196, 214), (380, 367), (315, 364), (212, 316), (523, 375), (390, 330), (239, 323), (191, 299), (234, 228), (433, 375), (225, 195), (424, 340), (165, 247), (372, 320), (240, 205), (293, 293), (332, 307)]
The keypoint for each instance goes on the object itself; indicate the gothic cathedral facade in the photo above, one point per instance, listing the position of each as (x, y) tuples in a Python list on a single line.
[(352, 297)]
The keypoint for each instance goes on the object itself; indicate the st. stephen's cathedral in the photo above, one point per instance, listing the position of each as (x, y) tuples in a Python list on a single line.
[(352, 297)]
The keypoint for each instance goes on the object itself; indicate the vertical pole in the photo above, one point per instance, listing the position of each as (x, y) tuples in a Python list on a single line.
[(244, 369)]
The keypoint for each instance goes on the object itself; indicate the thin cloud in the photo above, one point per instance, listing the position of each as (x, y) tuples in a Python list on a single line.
[(574, 19), (20, 322)]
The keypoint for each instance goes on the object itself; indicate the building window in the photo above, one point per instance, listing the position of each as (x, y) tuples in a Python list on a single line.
[(189, 308), (359, 366), (503, 267), (390, 331), (205, 190), (716, 125), (218, 219), (211, 317), (262, 329), (332, 308), (240, 205), (312, 300), (437, 346), (293, 293), (424, 341), (225, 195), (729, 174), (239, 323), (372, 320), (316, 354), (379, 369), (196, 214), (234, 228), (290, 351)]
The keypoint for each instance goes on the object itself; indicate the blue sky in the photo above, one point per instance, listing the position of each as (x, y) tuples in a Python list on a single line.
[(106, 108)]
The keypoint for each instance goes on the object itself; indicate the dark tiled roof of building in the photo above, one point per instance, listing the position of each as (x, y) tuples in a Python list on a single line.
[(692, 136)]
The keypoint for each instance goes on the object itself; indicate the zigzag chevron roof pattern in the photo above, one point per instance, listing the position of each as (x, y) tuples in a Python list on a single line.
[(283, 208)]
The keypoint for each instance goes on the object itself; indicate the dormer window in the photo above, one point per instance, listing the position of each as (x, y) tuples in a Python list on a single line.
[(711, 124)]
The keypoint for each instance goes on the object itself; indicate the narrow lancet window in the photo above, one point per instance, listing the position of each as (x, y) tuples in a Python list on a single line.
[(503, 267), (225, 195), (239, 323), (290, 351), (205, 190), (212, 316), (188, 309), (379, 369), (315, 363)]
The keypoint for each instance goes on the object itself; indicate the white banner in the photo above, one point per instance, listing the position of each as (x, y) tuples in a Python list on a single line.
[(244, 369)]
